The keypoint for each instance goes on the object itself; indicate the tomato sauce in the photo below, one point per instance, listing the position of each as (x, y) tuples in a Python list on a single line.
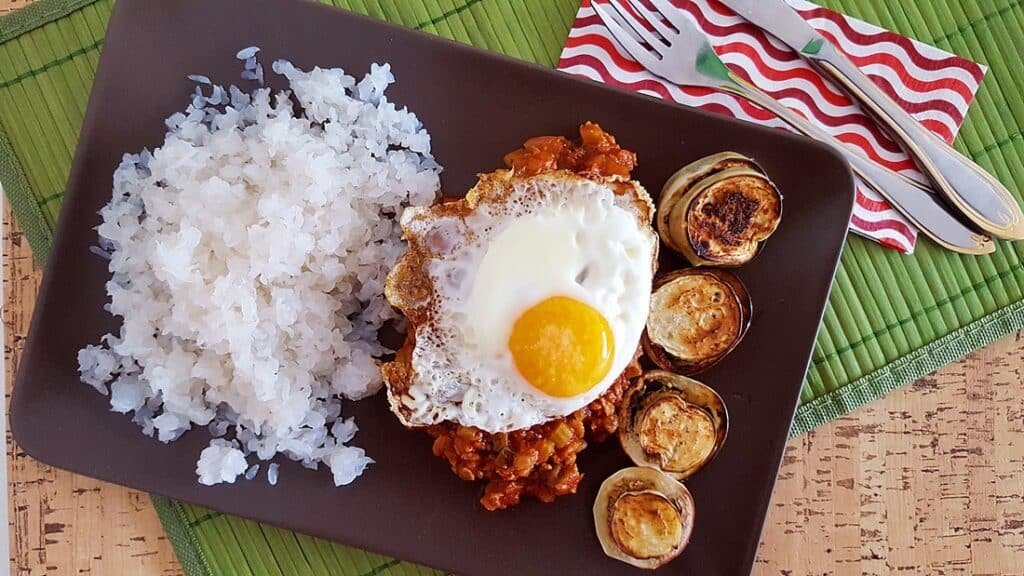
[(538, 461), (596, 154)]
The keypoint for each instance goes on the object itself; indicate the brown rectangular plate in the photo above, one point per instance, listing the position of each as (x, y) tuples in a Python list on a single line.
[(477, 106)]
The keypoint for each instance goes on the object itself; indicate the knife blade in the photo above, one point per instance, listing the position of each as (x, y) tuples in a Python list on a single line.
[(780, 20), (975, 194)]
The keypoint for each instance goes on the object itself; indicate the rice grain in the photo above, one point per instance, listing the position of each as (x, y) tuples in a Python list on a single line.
[(247, 257)]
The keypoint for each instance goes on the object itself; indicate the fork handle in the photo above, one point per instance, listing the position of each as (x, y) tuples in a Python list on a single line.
[(911, 199), (969, 188)]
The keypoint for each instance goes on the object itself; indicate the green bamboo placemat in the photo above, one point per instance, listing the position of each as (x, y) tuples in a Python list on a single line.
[(891, 318)]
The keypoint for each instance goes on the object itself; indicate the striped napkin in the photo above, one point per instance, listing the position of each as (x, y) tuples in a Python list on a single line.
[(936, 87)]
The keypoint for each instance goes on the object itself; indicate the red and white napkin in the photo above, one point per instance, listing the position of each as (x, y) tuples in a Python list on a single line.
[(936, 87)]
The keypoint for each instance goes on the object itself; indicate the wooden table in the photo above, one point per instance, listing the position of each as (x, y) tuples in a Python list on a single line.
[(928, 480)]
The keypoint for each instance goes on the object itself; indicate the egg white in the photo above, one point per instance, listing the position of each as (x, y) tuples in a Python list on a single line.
[(552, 237)]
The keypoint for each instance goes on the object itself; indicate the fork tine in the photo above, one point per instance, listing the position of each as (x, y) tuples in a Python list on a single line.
[(656, 44), (674, 15), (653, 18), (624, 38)]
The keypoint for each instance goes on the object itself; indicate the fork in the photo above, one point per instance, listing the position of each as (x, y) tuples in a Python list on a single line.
[(678, 51)]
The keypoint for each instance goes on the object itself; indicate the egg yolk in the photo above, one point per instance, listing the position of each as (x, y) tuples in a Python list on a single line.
[(562, 346)]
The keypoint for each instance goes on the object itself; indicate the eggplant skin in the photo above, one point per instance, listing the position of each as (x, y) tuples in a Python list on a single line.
[(660, 388), (643, 486), (697, 316)]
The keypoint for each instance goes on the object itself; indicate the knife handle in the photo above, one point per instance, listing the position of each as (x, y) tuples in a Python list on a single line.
[(917, 203), (982, 199), (921, 206)]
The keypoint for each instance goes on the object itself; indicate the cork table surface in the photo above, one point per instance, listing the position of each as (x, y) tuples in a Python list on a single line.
[(929, 480)]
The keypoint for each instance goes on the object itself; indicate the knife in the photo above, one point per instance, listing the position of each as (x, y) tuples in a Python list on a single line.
[(975, 193)]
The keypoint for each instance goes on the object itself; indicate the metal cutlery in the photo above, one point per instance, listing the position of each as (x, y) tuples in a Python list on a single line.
[(680, 52), (981, 198)]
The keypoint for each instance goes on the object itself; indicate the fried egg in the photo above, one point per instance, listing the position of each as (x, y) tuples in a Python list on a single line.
[(527, 299)]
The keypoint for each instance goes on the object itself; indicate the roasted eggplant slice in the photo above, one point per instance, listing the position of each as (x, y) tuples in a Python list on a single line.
[(698, 315), (719, 210), (672, 423), (643, 517)]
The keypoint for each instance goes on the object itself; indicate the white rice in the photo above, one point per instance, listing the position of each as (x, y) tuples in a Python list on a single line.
[(248, 255), (252, 471), (220, 462)]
